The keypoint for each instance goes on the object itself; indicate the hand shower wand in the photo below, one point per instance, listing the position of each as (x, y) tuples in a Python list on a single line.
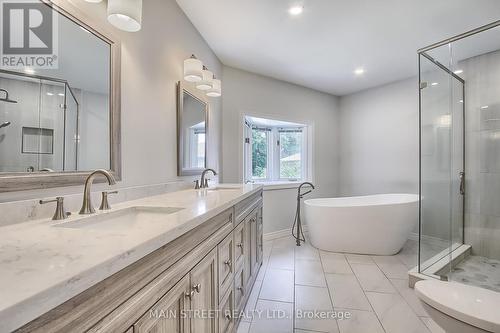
[(297, 223)]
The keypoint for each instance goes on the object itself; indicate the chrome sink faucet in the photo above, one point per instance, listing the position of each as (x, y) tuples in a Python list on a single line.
[(204, 182), (87, 207)]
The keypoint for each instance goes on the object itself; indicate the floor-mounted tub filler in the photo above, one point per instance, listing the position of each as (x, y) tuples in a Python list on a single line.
[(373, 224)]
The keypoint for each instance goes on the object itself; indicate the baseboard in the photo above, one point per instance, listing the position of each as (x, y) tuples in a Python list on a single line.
[(281, 233)]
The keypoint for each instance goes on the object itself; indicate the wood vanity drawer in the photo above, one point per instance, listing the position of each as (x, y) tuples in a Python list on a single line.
[(225, 264), (240, 245), (226, 309), (239, 288)]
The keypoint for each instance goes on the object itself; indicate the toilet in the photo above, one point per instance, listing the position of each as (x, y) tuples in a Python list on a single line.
[(460, 308)]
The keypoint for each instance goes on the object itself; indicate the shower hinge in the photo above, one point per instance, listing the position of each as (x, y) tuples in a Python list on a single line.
[(423, 85), (461, 176), (247, 140)]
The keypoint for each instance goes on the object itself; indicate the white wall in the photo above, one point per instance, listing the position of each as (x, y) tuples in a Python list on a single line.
[(255, 95), (151, 64), (379, 140)]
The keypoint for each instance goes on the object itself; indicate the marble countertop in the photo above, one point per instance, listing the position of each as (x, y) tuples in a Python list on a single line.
[(43, 265)]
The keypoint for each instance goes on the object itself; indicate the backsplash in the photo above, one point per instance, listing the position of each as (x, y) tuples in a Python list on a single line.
[(26, 210)]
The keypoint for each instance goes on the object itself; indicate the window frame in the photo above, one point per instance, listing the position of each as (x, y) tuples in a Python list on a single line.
[(273, 156)]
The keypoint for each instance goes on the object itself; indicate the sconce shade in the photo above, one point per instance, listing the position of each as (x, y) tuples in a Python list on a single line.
[(125, 14), (206, 82), (193, 70), (216, 89)]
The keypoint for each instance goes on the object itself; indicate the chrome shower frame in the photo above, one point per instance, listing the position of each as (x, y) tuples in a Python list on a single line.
[(424, 52)]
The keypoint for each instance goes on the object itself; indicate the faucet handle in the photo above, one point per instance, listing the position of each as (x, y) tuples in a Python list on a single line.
[(206, 183), (196, 184), (59, 214), (104, 201)]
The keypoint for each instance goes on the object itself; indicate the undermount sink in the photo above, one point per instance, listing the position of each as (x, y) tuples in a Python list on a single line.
[(121, 218)]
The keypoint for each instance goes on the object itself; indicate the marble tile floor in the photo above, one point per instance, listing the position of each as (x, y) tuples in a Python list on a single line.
[(373, 290), (478, 271)]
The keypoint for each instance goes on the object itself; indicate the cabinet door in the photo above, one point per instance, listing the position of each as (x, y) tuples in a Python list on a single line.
[(204, 300), (168, 314), (240, 248), (260, 236), (226, 311), (248, 254), (253, 242), (225, 263)]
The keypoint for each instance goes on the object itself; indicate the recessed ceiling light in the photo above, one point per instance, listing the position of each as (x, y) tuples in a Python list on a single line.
[(461, 101), (359, 71), (434, 84), (50, 94), (296, 10), (61, 94), (458, 71), (484, 107)]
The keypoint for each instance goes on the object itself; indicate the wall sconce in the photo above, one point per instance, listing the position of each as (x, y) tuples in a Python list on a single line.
[(195, 71), (125, 14), (216, 89), (206, 82)]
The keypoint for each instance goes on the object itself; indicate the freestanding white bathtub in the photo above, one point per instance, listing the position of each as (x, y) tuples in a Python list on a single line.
[(373, 224)]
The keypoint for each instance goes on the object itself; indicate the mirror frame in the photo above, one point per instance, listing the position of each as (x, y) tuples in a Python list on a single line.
[(183, 88), (21, 181)]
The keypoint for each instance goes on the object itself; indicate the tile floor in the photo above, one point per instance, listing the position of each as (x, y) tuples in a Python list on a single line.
[(373, 289)]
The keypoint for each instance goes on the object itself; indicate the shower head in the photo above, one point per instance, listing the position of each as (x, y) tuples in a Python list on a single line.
[(5, 124), (6, 97)]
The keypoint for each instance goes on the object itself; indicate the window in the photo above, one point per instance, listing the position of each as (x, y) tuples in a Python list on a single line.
[(275, 150), (196, 152)]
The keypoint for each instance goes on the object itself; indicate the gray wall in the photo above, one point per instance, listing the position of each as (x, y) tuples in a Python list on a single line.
[(255, 95), (152, 63), (379, 140)]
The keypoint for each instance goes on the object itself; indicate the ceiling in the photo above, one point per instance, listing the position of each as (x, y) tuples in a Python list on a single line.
[(322, 47)]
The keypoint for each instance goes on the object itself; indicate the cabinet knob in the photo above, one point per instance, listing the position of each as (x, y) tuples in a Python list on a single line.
[(197, 288), (228, 316), (189, 294), (227, 262), (240, 245), (241, 289)]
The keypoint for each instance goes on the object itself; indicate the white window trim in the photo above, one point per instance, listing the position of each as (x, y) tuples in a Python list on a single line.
[(306, 160)]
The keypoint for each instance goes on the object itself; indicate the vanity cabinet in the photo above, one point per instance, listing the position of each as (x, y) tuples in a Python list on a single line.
[(196, 283), (194, 294), (203, 295), (160, 319)]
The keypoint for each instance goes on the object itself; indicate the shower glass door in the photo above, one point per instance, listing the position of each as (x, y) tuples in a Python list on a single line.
[(441, 161)]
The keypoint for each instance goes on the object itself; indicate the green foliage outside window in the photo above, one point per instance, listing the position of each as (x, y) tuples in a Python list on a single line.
[(290, 157), (259, 153)]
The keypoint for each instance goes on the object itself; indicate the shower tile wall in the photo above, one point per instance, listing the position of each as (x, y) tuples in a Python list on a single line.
[(93, 148), (482, 219), (28, 113)]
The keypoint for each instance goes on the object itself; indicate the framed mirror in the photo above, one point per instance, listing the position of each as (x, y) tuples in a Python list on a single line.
[(192, 130), (58, 124)]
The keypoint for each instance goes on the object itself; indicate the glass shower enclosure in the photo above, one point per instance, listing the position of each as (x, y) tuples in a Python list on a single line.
[(459, 116), (40, 124)]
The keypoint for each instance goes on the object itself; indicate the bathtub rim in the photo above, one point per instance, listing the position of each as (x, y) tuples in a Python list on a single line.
[(412, 198)]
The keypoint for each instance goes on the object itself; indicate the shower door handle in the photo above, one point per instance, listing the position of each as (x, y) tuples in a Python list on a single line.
[(461, 176)]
